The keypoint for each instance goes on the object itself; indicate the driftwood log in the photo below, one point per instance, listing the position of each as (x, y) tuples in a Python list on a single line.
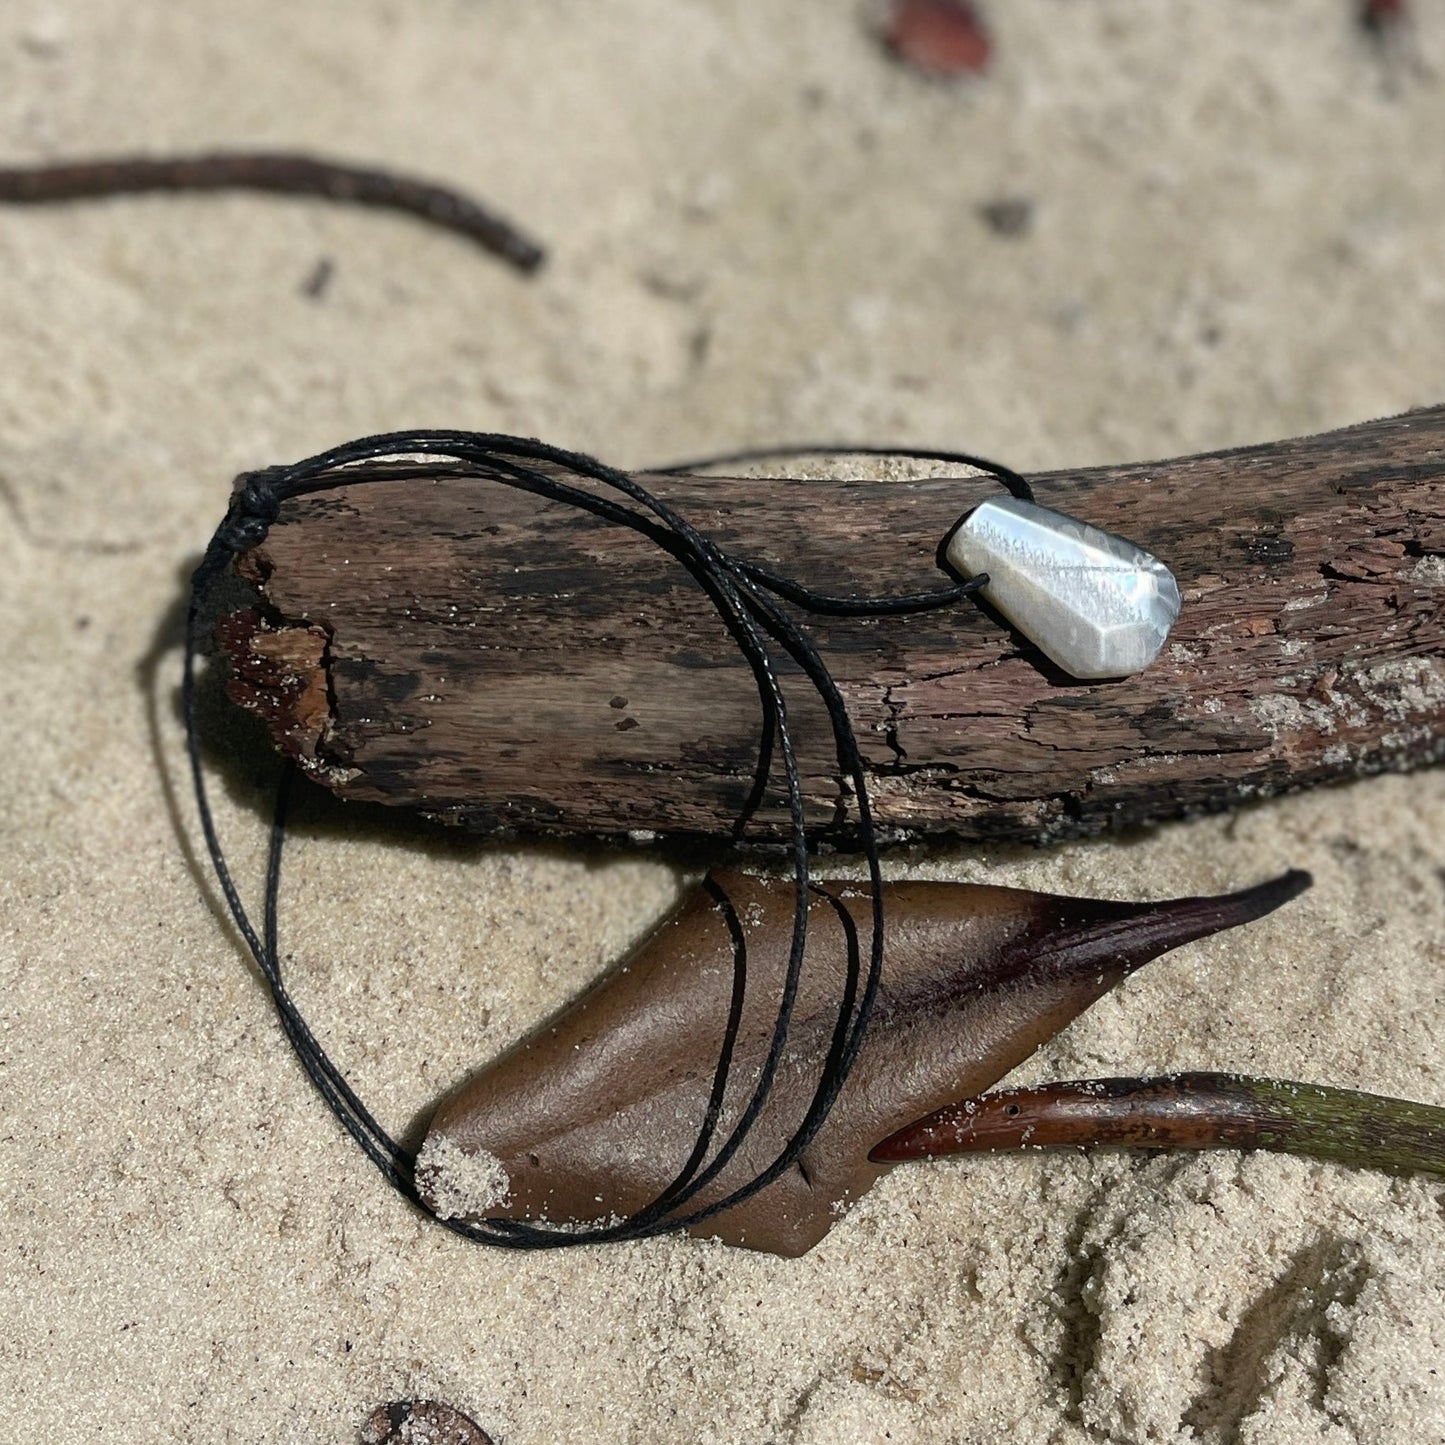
[(456, 647)]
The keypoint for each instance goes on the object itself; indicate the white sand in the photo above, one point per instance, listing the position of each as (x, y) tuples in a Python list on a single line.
[(761, 230)]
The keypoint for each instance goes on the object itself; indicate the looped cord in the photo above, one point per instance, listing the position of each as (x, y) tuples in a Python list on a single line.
[(745, 597)]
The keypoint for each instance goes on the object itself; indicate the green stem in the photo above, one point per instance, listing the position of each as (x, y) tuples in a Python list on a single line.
[(1187, 1111)]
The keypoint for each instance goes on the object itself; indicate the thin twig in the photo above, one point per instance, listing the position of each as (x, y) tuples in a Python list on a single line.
[(297, 175)]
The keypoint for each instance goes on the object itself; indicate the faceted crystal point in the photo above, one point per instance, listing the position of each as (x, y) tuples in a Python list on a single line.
[(1092, 602)]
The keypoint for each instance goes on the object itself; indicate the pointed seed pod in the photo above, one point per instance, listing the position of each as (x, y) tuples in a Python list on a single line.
[(592, 1117)]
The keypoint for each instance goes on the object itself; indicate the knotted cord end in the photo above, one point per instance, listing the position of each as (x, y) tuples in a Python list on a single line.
[(255, 505)]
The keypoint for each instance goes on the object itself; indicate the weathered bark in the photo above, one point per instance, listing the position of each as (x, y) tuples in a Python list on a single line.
[(492, 659)]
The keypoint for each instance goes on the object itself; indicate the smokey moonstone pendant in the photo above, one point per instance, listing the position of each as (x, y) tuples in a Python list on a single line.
[(1090, 601)]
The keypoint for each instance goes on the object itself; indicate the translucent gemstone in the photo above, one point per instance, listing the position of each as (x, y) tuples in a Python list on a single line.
[(1092, 602)]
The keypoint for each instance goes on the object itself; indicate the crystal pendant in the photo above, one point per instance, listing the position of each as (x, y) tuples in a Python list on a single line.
[(1092, 602)]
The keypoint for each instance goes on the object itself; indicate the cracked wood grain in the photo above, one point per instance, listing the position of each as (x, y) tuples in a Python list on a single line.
[(458, 648)]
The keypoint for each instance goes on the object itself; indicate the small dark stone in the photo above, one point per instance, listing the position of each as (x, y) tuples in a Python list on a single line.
[(316, 283), (421, 1422), (1009, 215)]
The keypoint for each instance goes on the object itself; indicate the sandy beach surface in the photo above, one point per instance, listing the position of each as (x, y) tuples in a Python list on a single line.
[(761, 229)]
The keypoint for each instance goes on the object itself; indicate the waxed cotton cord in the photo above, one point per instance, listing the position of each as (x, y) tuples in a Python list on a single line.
[(1011, 481), (745, 597)]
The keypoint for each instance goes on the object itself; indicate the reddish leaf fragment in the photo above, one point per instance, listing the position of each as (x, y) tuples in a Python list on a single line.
[(941, 38), (1380, 15)]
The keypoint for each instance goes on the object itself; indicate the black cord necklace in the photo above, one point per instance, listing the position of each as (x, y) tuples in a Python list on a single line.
[(746, 597)]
